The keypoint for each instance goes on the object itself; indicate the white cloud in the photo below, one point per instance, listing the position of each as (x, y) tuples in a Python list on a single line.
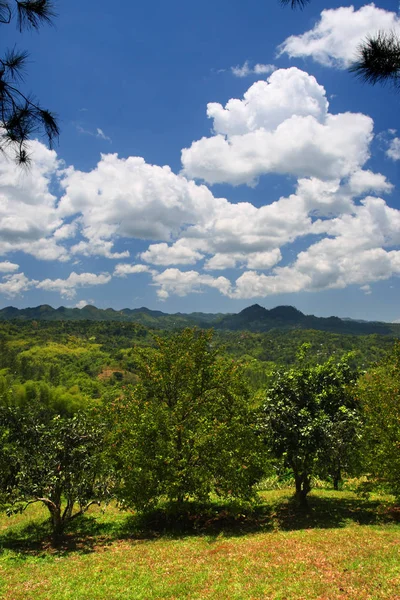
[(372, 224), (182, 283), (243, 228), (267, 104), (393, 151), (252, 284), (322, 266), (336, 36), (333, 197), (67, 287), (363, 182), (357, 249), (124, 269), (83, 303), (123, 199), (98, 247), (8, 267), (263, 260), (261, 69), (245, 70), (178, 254), (282, 125), (15, 285), (253, 260), (66, 231), (28, 211), (366, 289), (354, 254), (129, 198), (100, 134)]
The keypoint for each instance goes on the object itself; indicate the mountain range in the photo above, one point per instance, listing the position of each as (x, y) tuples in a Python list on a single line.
[(255, 318)]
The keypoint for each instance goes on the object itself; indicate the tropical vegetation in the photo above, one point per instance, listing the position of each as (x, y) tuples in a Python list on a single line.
[(194, 431)]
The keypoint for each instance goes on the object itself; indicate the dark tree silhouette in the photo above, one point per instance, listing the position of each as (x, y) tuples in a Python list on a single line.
[(378, 56), (295, 3), (378, 59), (21, 116)]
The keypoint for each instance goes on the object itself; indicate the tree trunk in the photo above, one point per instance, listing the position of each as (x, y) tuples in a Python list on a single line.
[(303, 486), (337, 477), (298, 481), (57, 524)]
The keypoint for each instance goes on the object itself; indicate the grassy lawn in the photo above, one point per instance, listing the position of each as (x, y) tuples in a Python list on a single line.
[(346, 548)]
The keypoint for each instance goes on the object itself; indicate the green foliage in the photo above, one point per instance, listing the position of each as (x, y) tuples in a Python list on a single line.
[(311, 421), (186, 430), (56, 461), (58, 363), (379, 393), (173, 398), (281, 347), (43, 397)]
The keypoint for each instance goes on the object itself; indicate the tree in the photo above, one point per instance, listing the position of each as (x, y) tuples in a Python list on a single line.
[(378, 56), (309, 421), (58, 462), (21, 115), (186, 430), (379, 393), (343, 433)]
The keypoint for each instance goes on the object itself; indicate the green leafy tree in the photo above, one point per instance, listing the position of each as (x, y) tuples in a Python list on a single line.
[(379, 393), (58, 462), (186, 430), (310, 421), (21, 116)]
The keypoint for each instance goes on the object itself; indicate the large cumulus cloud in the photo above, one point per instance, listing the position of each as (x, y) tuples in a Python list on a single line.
[(281, 125)]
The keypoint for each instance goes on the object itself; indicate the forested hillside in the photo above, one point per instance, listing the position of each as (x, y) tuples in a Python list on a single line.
[(84, 358), (254, 318)]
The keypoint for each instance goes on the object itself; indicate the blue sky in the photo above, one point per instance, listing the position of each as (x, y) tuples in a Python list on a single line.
[(212, 155)]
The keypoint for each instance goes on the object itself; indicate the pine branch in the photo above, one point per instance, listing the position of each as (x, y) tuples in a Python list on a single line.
[(21, 116), (5, 13), (31, 14), (13, 64), (378, 59), (295, 3), (49, 123)]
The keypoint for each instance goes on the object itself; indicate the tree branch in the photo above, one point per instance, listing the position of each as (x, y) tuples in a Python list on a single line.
[(84, 509)]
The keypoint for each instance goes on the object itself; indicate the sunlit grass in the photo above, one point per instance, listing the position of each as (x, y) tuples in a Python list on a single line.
[(345, 548)]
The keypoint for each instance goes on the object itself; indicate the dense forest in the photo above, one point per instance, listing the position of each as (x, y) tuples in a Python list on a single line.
[(85, 358)]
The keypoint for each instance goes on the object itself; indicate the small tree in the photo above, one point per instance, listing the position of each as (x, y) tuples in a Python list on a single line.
[(310, 421), (186, 429), (379, 392), (58, 462)]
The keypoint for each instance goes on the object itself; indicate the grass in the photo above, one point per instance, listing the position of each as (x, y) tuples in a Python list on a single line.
[(345, 548)]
